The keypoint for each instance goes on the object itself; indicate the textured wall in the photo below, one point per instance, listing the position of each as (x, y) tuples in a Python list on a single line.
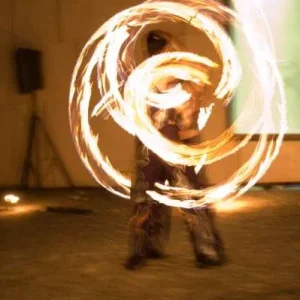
[(60, 29)]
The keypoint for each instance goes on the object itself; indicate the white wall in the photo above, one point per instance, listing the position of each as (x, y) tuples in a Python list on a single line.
[(60, 29)]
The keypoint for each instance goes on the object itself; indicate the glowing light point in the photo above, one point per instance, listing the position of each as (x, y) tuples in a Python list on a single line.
[(12, 199)]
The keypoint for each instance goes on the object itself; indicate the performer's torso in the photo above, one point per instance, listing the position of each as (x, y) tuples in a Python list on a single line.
[(184, 117)]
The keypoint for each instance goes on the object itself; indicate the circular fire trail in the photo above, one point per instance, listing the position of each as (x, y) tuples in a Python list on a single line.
[(126, 95)]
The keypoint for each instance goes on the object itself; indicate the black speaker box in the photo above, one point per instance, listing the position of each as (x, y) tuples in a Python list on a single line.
[(29, 70)]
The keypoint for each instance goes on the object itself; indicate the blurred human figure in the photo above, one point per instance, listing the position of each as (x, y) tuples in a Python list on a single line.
[(150, 220)]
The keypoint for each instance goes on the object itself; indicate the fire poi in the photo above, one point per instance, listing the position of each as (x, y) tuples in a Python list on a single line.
[(126, 94)]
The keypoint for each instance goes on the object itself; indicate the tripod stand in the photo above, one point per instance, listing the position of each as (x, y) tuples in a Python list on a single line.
[(33, 144)]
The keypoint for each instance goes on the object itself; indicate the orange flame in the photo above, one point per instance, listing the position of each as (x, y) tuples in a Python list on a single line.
[(126, 93)]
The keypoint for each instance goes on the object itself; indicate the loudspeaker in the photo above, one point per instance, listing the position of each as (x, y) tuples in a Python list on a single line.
[(29, 70)]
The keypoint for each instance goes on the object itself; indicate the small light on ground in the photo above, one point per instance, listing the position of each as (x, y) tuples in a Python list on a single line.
[(10, 198)]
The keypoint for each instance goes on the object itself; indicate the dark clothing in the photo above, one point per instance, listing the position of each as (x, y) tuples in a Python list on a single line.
[(150, 222)]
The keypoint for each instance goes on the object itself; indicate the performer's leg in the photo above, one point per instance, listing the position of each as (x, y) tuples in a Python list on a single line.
[(158, 229), (149, 231), (205, 239), (138, 235), (200, 222), (150, 221)]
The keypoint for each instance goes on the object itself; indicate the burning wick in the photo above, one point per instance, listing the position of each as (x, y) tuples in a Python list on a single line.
[(10, 198)]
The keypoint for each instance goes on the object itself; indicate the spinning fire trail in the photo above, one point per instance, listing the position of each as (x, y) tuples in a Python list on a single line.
[(126, 94)]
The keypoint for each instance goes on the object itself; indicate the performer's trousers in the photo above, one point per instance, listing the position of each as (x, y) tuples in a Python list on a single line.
[(150, 221)]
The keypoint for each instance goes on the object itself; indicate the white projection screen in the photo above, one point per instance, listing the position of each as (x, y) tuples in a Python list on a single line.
[(283, 17)]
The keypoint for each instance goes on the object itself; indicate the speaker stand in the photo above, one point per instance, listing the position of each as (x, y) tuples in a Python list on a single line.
[(33, 143)]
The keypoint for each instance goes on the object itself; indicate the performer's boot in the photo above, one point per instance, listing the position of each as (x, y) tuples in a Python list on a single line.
[(138, 239), (149, 230), (206, 241)]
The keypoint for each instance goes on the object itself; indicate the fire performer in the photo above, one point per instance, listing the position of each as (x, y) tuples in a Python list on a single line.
[(150, 220)]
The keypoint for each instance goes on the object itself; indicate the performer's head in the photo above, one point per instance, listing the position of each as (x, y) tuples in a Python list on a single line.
[(161, 42)]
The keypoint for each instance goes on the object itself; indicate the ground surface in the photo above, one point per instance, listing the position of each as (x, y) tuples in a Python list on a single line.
[(58, 256)]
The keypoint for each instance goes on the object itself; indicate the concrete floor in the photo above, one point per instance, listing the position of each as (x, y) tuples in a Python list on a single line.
[(59, 256)]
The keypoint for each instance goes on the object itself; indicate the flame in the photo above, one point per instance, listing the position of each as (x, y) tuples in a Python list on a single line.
[(229, 206), (10, 198), (127, 91)]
